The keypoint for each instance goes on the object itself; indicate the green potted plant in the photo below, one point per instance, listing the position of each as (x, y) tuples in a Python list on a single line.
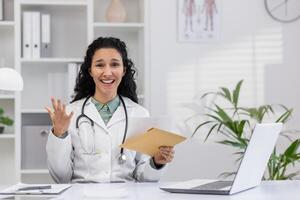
[(236, 124), (4, 121)]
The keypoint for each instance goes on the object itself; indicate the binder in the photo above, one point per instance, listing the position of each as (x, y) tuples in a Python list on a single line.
[(46, 35), (26, 35), (1, 10), (36, 35)]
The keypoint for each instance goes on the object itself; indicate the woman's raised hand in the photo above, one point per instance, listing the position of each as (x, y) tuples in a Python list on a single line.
[(60, 119)]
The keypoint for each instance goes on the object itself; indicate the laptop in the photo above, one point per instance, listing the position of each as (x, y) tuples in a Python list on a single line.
[(250, 171)]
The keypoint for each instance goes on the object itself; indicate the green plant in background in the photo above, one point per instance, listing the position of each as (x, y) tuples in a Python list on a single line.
[(237, 123), (5, 120)]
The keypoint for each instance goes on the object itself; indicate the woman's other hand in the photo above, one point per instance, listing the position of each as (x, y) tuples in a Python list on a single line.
[(60, 119), (164, 156)]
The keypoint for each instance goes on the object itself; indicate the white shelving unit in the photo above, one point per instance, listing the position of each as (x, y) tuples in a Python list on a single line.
[(34, 171), (8, 100), (7, 96), (118, 25), (7, 23), (7, 136), (32, 111), (52, 60), (74, 25), (55, 2)]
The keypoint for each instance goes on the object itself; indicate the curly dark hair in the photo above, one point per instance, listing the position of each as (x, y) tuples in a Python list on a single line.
[(85, 85)]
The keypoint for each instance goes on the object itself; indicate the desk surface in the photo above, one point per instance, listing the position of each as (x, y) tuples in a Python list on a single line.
[(275, 190)]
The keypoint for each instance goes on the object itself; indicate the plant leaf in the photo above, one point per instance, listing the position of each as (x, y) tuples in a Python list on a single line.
[(232, 143), (223, 115), (236, 93), (209, 132), (198, 127), (6, 121), (240, 127), (226, 93), (292, 149), (285, 116), (214, 117)]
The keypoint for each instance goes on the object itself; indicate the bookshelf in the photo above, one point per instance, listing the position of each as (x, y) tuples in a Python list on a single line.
[(7, 136), (8, 99), (74, 24), (7, 24)]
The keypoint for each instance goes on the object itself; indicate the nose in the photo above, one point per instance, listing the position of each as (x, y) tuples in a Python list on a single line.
[(107, 71)]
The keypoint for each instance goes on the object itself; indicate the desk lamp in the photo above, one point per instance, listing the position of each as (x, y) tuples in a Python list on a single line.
[(10, 80)]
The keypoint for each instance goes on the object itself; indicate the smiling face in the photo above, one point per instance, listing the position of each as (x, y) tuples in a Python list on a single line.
[(107, 71)]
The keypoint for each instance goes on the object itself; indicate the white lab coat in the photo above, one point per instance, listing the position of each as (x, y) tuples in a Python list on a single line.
[(68, 163)]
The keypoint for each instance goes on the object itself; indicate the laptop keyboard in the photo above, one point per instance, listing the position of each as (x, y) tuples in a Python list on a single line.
[(214, 185)]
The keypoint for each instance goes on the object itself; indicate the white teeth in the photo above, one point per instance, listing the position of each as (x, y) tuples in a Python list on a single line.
[(107, 81)]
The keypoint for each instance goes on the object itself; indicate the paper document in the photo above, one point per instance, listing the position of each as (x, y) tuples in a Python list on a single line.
[(33, 189), (149, 142)]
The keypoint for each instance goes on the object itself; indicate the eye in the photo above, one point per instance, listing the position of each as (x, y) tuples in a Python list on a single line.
[(100, 65), (115, 64)]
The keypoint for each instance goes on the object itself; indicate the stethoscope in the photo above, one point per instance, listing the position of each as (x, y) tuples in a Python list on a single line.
[(122, 157)]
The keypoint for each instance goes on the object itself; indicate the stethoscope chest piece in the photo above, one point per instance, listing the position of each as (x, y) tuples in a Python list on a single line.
[(122, 158)]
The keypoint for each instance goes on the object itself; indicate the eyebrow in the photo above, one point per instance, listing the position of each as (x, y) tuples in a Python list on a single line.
[(100, 60)]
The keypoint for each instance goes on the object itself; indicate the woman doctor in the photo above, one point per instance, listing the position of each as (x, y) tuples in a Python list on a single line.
[(83, 145)]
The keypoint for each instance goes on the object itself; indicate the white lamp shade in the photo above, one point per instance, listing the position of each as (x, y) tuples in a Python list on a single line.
[(10, 80)]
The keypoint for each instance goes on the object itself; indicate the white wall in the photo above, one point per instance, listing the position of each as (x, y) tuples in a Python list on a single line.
[(252, 46)]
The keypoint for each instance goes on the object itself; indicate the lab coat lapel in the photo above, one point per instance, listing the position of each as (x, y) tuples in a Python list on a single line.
[(119, 114), (92, 112)]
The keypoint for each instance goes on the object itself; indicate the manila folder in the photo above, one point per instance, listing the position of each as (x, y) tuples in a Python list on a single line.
[(149, 142)]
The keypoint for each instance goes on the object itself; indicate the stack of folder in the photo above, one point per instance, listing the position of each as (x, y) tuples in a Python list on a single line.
[(35, 34)]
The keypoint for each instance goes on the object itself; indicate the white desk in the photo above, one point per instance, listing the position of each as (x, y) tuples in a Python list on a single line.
[(275, 190)]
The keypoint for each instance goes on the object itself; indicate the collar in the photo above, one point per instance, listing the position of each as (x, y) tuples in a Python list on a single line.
[(112, 105), (92, 112)]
